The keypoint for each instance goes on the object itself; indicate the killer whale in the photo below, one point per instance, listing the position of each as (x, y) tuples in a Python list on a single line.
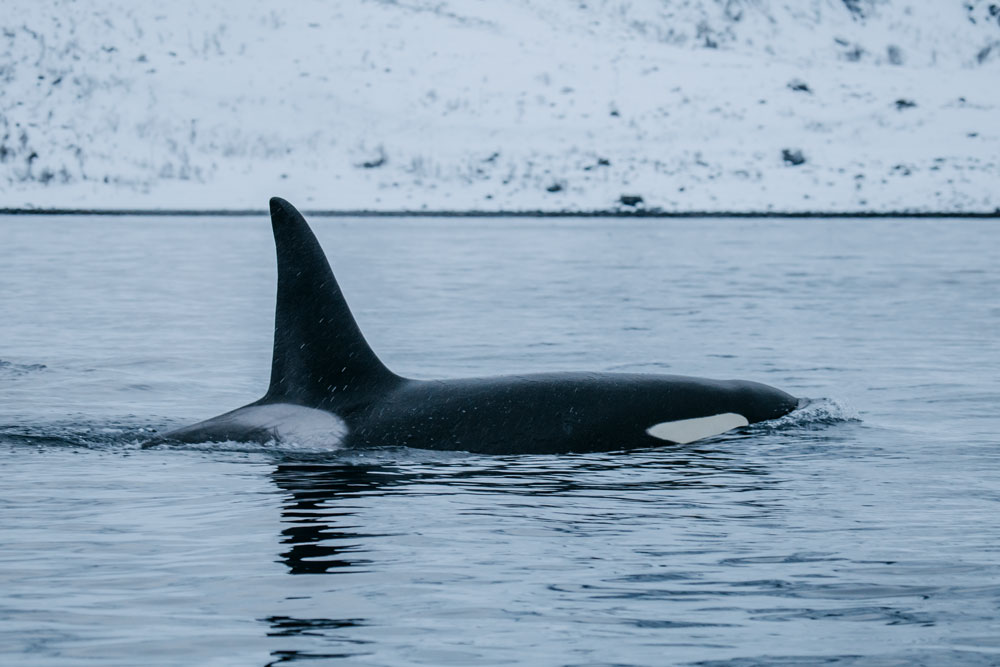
[(328, 388)]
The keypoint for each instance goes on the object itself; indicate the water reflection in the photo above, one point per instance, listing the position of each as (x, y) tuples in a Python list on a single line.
[(320, 532), (285, 657), (323, 534), (324, 628), (286, 626), (431, 510)]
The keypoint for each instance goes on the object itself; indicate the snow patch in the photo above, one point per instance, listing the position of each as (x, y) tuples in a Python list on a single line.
[(521, 104)]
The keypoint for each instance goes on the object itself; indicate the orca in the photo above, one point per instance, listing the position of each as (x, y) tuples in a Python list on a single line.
[(329, 389)]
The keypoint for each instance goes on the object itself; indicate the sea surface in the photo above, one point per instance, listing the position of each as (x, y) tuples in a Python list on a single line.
[(864, 529)]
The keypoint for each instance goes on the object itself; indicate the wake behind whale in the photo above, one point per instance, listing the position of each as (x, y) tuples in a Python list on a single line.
[(328, 388)]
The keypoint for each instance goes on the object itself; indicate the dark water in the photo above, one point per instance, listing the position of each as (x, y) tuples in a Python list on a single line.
[(863, 530)]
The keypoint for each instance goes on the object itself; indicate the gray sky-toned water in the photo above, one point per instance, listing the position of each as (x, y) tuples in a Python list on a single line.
[(860, 529)]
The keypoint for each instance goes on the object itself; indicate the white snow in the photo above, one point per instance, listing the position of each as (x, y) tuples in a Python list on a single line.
[(502, 104)]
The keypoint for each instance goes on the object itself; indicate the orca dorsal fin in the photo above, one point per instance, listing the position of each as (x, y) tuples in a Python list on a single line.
[(320, 358)]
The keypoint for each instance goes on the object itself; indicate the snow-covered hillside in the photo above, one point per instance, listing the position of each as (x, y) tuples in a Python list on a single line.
[(823, 105)]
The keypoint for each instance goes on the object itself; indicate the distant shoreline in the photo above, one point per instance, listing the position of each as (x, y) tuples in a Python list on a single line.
[(402, 213)]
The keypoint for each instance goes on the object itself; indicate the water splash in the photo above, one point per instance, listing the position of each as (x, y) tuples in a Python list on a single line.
[(812, 414), (78, 433)]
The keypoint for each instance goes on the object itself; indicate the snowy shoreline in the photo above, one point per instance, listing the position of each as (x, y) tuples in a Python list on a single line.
[(860, 107), (476, 213)]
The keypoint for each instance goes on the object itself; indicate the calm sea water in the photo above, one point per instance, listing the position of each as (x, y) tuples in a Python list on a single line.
[(862, 530)]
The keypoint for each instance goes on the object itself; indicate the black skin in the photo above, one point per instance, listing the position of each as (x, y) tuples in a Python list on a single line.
[(551, 413), (322, 361)]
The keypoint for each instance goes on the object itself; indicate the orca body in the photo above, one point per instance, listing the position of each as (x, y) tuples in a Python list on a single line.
[(328, 388)]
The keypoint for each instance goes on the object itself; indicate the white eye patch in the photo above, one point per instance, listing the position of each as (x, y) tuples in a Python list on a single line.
[(683, 431)]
